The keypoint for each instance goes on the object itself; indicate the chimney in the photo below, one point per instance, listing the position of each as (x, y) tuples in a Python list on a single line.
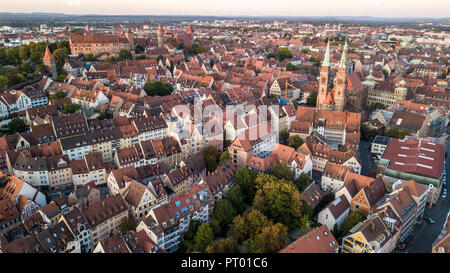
[(372, 226)]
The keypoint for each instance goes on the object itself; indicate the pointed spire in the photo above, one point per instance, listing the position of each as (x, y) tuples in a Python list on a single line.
[(48, 55), (343, 62), (371, 73), (326, 59)]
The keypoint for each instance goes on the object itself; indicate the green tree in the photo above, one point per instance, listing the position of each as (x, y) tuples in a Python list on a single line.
[(237, 229), (139, 49), (57, 95), (17, 125), (249, 225), (187, 245), (60, 55), (282, 54), (14, 79), (295, 141), (395, 133), (245, 178), (377, 105), (125, 55), (282, 171), (284, 135), (90, 58), (307, 210), (224, 213), (61, 77), (203, 238), (302, 182), (271, 239), (12, 56), (158, 88), (195, 49), (211, 156), (312, 99), (306, 225), (249, 246), (236, 198), (224, 157), (3, 83), (227, 245), (263, 178), (351, 220), (290, 67), (24, 52), (71, 108), (215, 225), (280, 201)]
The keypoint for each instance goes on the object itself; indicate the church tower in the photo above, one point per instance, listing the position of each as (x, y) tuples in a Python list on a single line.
[(160, 35), (324, 79), (341, 82), (49, 61), (190, 32)]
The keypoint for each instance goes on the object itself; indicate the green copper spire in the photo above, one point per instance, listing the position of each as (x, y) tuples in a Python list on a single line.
[(326, 59), (343, 62)]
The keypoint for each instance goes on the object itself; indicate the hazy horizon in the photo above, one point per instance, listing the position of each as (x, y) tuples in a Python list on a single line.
[(232, 8)]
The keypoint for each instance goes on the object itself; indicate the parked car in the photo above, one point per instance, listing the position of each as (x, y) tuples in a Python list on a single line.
[(429, 220)]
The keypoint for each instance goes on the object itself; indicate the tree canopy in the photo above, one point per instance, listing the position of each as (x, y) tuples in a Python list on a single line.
[(224, 213), (312, 99), (282, 171), (211, 156), (249, 225), (203, 238), (281, 54), (245, 178), (295, 141), (271, 239), (280, 201), (158, 88)]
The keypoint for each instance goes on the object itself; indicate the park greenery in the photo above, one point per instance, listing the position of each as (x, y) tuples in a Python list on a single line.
[(254, 216), (158, 88), (22, 63), (281, 54)]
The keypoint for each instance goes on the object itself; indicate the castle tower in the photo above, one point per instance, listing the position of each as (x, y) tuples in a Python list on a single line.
[(341, 81), (324, 79), (160, 35), (49, 61)]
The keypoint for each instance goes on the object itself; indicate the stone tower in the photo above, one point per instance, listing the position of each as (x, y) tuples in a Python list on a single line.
[(324, 79), (160, 35), (341, 81), (49, 61), (130, 37)]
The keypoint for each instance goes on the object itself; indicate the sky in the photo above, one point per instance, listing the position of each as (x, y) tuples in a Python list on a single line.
[(375, 8)]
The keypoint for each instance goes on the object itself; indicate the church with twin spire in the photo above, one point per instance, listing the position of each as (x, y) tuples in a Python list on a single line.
[(333, 98)]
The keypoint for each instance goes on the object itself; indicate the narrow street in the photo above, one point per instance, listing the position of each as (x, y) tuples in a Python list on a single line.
[(367, 162)]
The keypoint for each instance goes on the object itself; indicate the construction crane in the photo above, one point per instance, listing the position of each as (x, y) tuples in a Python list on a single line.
[(285, 94)]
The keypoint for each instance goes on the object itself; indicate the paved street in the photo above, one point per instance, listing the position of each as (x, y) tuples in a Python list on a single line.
[(367, 161)]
